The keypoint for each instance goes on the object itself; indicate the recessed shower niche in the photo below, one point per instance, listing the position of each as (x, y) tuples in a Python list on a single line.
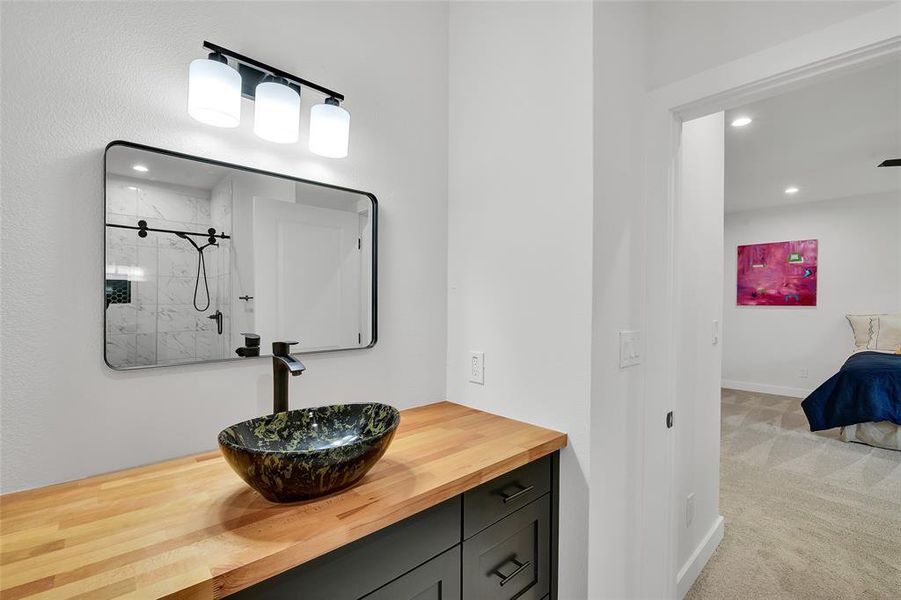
[(200, 253)]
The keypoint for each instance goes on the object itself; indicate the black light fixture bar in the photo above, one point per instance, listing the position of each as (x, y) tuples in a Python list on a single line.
[(246, 61), (892, 162), (141, 227)]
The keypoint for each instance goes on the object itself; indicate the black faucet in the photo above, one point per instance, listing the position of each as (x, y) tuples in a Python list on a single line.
[(283, 364)]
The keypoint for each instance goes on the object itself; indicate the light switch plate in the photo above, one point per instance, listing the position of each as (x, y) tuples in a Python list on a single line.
[(629, 349), (477, 367)]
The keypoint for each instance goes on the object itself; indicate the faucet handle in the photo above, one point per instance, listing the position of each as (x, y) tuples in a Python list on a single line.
[(282, 348)]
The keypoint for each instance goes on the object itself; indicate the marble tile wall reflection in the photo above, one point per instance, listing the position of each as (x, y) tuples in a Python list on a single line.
[(221, 202), (161, 325)]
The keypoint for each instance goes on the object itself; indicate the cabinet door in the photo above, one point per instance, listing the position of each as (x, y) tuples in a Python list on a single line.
[(495, 499), (438, 579), (511, 559)]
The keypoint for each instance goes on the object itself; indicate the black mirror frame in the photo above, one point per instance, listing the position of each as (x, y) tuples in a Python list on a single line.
[(219, 163)]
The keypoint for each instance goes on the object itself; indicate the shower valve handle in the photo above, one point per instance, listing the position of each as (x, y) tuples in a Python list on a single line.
[(217, 316)]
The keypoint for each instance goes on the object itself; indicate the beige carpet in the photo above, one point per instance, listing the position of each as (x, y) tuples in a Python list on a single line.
[(807, 515)]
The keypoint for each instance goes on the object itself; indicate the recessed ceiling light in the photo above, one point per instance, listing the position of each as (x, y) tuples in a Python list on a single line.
[(792, 190), (741, 121), (140, 168)]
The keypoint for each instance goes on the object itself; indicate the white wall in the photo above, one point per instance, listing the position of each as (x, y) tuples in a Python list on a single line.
[(687, 37), (858, 271), (520, 231), (617, 402), (699, 313), (78, 75)]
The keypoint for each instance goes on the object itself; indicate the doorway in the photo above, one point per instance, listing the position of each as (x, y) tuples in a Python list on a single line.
[(807, 212), (814, 57)]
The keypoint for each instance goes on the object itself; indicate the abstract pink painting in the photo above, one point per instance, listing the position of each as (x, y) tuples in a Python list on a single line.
[(778, 274)]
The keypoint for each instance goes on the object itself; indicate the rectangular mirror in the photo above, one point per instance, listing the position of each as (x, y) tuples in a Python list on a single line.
[(200, 253)]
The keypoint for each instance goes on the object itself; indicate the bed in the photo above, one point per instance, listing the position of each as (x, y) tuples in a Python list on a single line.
[(864, 397), (883, 434)]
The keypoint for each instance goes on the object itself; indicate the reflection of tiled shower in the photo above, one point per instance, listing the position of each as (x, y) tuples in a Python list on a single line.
[(156, 275), (221, 219)]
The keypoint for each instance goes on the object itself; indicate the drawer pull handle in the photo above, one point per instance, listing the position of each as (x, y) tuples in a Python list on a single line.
[(520, 567), (515, 495)]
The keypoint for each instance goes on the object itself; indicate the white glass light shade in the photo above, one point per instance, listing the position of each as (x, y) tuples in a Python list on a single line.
[(329, 130), (276, 112), (214, 93)]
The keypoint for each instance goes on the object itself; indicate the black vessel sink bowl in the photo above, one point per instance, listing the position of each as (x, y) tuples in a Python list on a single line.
[(310, 452)]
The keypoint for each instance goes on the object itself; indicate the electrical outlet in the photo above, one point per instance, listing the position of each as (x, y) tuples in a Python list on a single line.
[(629, 349), (802, 373), (477, 367), (689, 509)]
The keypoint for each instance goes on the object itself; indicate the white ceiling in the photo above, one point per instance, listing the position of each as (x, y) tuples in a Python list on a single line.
[(163, 168), (826, 139), (198, 175)]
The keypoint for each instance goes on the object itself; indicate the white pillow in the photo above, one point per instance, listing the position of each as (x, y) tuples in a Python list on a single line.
[(864, 328), (880, 332), (888, 338)]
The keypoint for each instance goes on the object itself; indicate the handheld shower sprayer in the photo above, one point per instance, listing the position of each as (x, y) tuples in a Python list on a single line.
[(201, 267)]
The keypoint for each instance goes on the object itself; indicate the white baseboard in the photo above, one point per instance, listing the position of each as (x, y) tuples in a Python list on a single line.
[(695, 563), (763, 388)]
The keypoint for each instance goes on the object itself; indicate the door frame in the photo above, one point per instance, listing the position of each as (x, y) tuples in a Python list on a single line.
[(852, 44)]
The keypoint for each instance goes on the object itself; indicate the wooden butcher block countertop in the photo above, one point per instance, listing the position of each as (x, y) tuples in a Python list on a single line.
[(190, 528)]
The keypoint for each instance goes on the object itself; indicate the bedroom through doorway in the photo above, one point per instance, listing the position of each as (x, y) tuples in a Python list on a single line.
[(790, 289)]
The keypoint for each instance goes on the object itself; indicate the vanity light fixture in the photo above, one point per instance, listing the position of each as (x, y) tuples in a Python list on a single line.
[(741, 121), (276, 112), (329, 129), (792, 189), (276, 94), (214, 91)]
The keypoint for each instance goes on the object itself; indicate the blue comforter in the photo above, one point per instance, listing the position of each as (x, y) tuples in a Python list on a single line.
[(866, 388)]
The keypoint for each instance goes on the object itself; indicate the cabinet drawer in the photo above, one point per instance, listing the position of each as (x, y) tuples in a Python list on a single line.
[(438, 579), (495, 499), (511, 559), (352, 571)]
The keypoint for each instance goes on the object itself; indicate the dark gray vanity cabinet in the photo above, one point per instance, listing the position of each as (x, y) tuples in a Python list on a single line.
[(497, 541)]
